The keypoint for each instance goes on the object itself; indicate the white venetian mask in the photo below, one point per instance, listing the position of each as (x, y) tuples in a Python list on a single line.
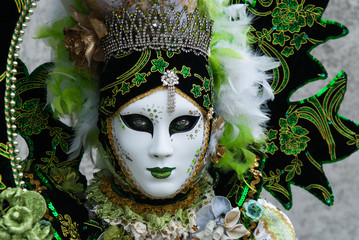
[(160, 152)]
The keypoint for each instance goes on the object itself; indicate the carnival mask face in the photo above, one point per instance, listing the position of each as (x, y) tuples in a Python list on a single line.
[(160, 151)]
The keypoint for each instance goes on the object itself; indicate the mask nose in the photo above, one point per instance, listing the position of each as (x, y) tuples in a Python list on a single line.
[(161, 146)]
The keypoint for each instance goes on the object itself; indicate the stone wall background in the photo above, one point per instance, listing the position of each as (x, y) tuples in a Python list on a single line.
[(312, 219)]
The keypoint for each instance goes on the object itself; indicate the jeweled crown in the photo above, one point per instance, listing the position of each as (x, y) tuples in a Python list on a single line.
[(156, 28)]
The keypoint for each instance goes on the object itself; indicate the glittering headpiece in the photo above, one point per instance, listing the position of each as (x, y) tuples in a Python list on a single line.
[(157, 28), (148, 49)]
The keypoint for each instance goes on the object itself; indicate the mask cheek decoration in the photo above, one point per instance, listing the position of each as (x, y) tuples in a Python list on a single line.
[(160, 156), (191, 148)]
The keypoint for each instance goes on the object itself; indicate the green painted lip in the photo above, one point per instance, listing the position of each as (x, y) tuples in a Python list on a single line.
[(161, 173)]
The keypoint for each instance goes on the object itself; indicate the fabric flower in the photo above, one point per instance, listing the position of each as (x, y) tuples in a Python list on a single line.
[(233, 229), (115, 232), (253, 210), (219, 221), (289, 16), (82, 41), (11, 195), (67, 178), (42, 230), (23, 218), (18, 219)]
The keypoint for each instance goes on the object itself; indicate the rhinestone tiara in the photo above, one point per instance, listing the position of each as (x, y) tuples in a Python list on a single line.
[(156, 28)]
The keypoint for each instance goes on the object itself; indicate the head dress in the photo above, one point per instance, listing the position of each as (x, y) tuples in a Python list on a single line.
[(121, 51), (233, 82)]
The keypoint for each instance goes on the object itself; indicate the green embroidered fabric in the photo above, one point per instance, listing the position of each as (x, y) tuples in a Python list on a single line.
[(306, 134), (142, 71)]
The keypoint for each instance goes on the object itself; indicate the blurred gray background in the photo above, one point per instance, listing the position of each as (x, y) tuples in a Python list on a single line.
[(313, 220)]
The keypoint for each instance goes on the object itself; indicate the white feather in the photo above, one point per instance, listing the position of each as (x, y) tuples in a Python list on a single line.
[(86, 125), (240, 100)]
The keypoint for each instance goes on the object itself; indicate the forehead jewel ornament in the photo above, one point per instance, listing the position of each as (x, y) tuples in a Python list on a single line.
[(170, 79)]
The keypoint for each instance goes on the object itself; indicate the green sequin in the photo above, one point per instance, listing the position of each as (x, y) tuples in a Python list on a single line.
[(186, 71), (207, 84), (207, 101), (280, 38), (125, 88), (196, 90), (159, 65), (139, 79), (298, 40), (32, 119), (272, 134), (271, 148), (287, 51)]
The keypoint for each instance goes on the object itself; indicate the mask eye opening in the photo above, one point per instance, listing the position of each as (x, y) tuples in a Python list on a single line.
[(182, 124), (138, 122)]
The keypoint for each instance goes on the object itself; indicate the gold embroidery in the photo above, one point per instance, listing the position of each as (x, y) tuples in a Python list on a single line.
[(278, 213), (2, 76), (257, 178), (48, 216), (256, 164), (144, 209), (2, 185), (265, 224), (4, 150), (142, 61), (252, 190), (37, 183), (38, 189), (68, 227), (251, 230)]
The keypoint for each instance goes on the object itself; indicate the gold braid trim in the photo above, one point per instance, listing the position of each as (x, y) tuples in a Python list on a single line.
[(266, 224), (251, 229), (252, 190), (39, 189), (253, 185), (144, 209), (257, 178), (34, 182), (127, 188)]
